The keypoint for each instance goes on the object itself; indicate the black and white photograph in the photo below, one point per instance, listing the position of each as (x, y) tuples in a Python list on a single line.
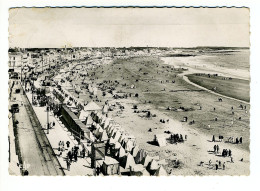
[(129, 91)]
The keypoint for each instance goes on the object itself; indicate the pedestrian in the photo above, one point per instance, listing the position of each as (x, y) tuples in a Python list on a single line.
[(68, 144), (219, 163), (224, 166), (217, 148), (83, 153), (216, 166), (68, 155), (240, 140), (98, 170), (53, 123), (213, 138), (209, 162), (229, 153), (71, 156), (181, 138), (75, 157), (186, 136), (68, 165)]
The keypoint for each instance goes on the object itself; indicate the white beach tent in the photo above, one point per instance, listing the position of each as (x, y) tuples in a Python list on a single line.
[(89, 121), (146, 160), (135, 151), (117, 145), (161, 172), (127, 161), (107, 121), (121, 138), (161, 140), (141, 154), (83, 115), (138, 170), (129, 145), (117, 135), (105, 109), (92, 106), (121, 153), (153, 165), (104, 136), (112, 141)]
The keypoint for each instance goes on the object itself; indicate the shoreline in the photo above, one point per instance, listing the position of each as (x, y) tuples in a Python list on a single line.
[(212, 92)]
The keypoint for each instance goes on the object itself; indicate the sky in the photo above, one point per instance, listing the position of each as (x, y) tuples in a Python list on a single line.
[(125, 27)]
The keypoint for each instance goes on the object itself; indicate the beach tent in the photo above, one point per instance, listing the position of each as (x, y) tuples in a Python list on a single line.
[(109, 130), (83, 115), (92, 137), (160, 139), (141, 154), (117, 145), (152, 167), (127, 161), (112, 141), (111, 166), (129, 145), (117, 135), (105, 109), (161, 172), (104, 136), (67, 100), (89, 121), (146, 160), (107, 122), (92, 106), (138, 170), (98, 131), (135, 151), (121, 153), (121, 138), (103, 120)]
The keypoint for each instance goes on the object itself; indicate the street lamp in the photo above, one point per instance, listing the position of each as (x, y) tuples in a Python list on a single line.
[(48, 123)]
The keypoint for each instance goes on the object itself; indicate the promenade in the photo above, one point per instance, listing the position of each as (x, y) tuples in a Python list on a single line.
[(60, 133)]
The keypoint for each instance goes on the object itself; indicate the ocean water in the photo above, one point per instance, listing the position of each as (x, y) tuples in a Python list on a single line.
[(227, 63)]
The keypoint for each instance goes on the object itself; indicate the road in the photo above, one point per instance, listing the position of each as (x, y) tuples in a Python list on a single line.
[(35, 150)]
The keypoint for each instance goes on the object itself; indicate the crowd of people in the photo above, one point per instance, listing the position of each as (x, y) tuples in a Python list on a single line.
[(72, 152), (177, 138), (226, 153)]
